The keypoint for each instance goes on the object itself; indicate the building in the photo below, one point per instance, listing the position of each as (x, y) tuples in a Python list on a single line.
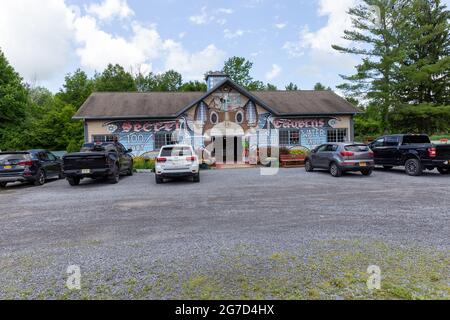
[(227, 119)]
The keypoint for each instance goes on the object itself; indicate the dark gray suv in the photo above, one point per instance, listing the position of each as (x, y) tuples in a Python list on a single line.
[(341, 157)]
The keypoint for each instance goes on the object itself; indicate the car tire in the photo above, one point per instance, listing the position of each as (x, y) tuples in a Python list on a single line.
[(158, 179), (308, 166), (196, 178), (444, 170), (130, 171), (413, 167), (335, 170), (388, 167), (366, 172), (115, 176), (61, 176), (40, 178), (74, 181), (3, 184)]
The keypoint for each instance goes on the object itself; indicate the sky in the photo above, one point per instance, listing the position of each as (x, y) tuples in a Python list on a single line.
[(288, 41)]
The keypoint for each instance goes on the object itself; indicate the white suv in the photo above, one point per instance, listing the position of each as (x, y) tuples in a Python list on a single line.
[(176, 161)]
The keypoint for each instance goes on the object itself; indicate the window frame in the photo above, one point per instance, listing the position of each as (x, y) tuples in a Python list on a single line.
[(336, 135), (288, 135)]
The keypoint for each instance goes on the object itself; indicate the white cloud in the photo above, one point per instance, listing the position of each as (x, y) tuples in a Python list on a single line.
[(40, 51), (192, 65), (280, 25), (36, 36), (109, 9), (331, 33), (228, 34), (274, 72), (205, 16)]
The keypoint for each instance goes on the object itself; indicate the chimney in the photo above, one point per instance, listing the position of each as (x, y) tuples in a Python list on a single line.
[(214, 77)]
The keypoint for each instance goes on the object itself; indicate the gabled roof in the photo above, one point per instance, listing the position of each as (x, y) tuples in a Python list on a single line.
[(160, 105)]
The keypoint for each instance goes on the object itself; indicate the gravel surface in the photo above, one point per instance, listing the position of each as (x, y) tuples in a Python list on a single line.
[(137, 231)]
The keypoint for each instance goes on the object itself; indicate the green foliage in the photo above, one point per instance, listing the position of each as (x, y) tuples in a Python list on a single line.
[(320, 87), (292, 87), (238, 69), (114, 79), (143, 163), (271, 87), (423, 118), (167, 81), (76, 89), (194, 86)]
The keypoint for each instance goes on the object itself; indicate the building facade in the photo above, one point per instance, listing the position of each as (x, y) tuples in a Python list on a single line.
[(226, 124)]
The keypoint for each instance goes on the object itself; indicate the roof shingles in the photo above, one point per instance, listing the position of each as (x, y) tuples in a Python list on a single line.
[(126, 105)]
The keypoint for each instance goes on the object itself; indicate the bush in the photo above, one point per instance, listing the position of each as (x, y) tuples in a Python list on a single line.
[(144, 163)]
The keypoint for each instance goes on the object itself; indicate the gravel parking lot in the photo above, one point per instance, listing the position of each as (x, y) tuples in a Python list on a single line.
[(223, 236)]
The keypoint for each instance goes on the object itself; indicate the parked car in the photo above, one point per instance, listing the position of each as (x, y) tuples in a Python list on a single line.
[(341, 157), (415, 152), (177, 161), (98, 160), (34, 166)]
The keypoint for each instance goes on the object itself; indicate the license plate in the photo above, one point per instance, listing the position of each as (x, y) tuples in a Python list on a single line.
[(7, 167), (86, 171), (363, 164)]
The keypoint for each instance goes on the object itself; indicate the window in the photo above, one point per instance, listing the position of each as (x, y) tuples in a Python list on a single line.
[(378, 143), (239, 117), (51, 156), (104, 138), (392, 141), (163, 139), (214, 117), (322, 148), (337, 135), (357, 148), (176, 152), (331, 147), (420, 139), (289, 137)]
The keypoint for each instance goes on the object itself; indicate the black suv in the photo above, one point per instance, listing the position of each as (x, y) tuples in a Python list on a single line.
[(415, 152), (34, 166)]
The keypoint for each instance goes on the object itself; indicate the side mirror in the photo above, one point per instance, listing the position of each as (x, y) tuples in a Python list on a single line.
[(129, 150)]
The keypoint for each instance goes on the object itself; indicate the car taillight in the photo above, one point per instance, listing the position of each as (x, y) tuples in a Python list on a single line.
[(371, 153), (432, 152), (25, 163), (192, 158), (160, 159), (347, 154)]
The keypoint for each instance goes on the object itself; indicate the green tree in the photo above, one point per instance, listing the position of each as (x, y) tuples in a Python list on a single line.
[(76, 89), (13, 105), (194, 86), (320, 87), (291, 87), (164, 82), (256, 85), (238, 69), (376, 34), (114, 79), (271, 87)]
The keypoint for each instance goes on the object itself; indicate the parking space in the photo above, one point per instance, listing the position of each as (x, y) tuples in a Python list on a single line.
[(136, 222)]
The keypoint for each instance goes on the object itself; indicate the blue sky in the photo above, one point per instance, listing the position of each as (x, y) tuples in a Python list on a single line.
[(288, 41)]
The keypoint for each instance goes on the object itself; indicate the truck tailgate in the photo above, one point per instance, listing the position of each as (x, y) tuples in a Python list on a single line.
[(86, 160)]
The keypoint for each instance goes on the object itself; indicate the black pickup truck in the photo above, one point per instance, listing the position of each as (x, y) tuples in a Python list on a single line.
[(415, 152), (97, 160)]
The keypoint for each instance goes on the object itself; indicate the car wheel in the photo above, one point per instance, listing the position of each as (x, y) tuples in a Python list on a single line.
[(40, 178), (366, 172), (115, 176), (388, 167), (335, 170), (74, 181), (3, 184), (158, 179), (308, 166), (130, 171), (413, 167), (444, 170), (196, 178)]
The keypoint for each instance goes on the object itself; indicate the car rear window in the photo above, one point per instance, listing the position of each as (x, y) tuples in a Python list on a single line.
[(357, 148), (416, 139), (176, 152), (13, 157)]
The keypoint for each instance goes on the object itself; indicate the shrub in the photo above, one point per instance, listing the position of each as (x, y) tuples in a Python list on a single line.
[(144, 163)]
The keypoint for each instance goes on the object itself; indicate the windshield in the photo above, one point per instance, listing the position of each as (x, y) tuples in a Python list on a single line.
[(416, 139), (176, 152), (97, 146)]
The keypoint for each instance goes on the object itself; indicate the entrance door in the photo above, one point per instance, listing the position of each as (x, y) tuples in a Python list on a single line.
[(230, 152)]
